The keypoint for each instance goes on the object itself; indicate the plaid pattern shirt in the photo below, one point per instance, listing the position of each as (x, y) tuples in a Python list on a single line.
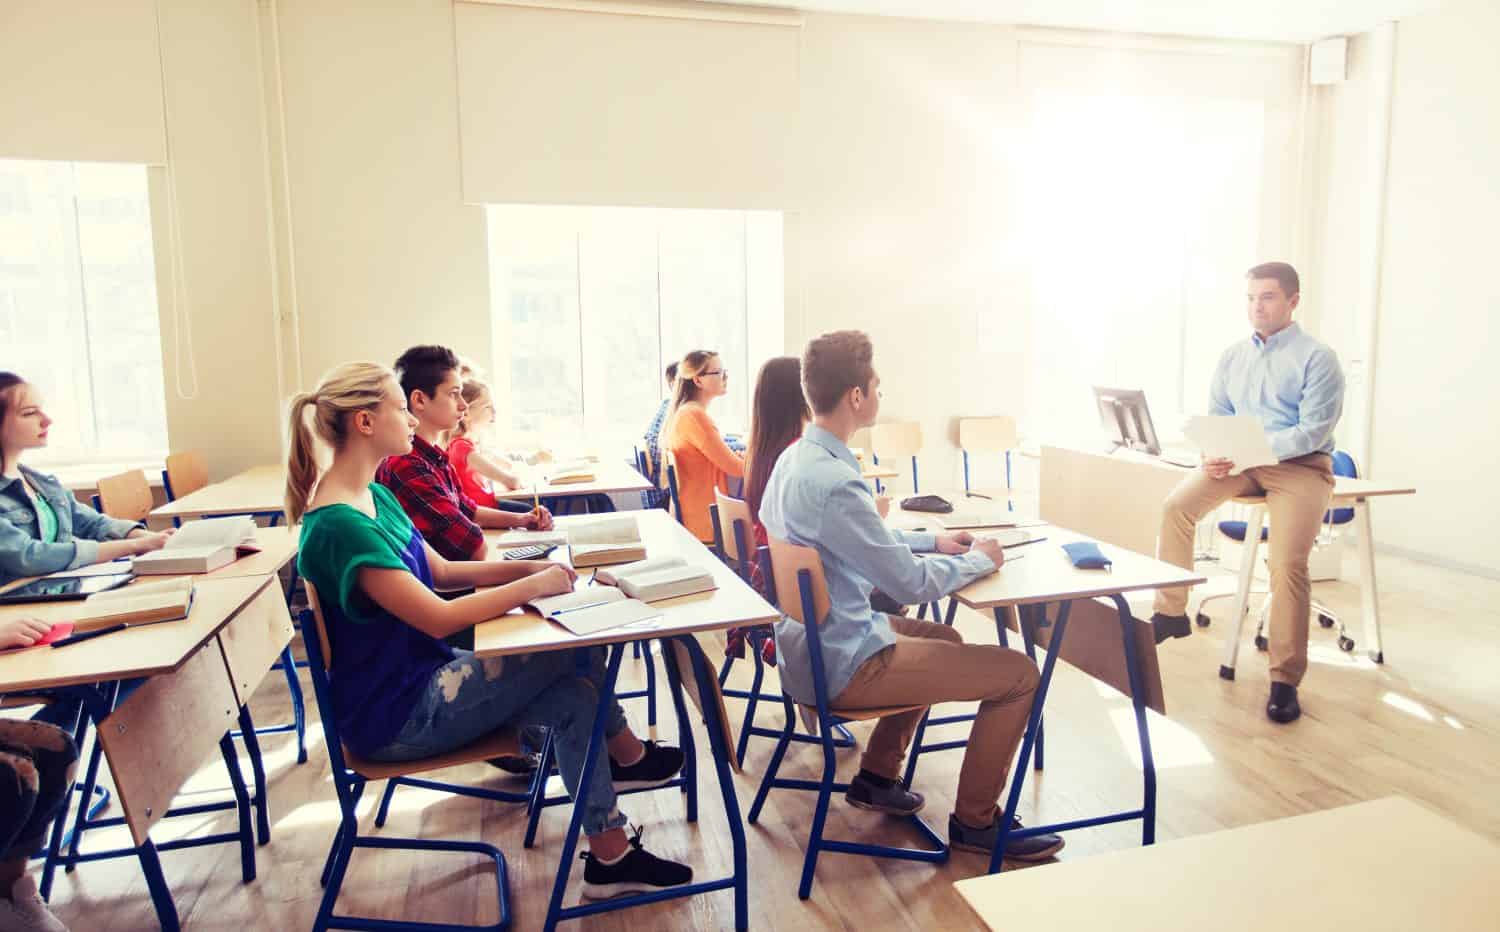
[(427, 486)]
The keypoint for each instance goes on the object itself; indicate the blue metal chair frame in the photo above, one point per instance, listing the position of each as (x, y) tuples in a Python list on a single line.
[(755, 694), (915, 488), (825, 787), (349, 787), (98, 701), (1034, 617), (1010, 506), (738, 881)]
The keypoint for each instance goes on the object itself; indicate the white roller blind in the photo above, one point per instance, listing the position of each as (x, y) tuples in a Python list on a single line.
[(80, 81), (569, 107)]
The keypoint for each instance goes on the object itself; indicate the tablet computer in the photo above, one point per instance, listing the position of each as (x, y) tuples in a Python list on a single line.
[(63, 588)]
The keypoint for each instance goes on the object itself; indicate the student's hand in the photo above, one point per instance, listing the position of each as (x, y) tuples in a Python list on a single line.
[(883, 505), (954, 541), (22, 632), (539, 519), (1218, 467), (532, 567), (990, 547), (151, 541), (554, 580)]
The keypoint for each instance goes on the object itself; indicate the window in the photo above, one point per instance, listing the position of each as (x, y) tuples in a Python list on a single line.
[(78, 314), (590, 304)]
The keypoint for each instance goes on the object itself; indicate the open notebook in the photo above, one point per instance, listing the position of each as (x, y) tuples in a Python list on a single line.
[(139, 604), (657, 579), (200, 547), (571, 472), (590, 609)]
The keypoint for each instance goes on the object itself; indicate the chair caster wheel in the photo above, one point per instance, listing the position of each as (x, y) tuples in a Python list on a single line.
[(1346, 644), (1202, 620), (1261, 643), (1226, 673), (1325, 620)]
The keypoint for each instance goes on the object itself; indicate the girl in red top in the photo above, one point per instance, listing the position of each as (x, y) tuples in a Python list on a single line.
[(477, 472)]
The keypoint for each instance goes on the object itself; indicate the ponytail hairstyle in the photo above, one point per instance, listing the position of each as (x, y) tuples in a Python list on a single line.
[(345, 390), (686, 389), (473, 390)]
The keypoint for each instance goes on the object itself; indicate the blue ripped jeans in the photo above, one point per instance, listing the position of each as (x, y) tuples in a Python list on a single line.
[(469, 697)]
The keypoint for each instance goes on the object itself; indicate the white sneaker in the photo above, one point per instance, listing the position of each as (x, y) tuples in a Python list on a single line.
[(25, 911)]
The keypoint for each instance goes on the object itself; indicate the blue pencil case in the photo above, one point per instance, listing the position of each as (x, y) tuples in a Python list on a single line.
[(1086, 555)]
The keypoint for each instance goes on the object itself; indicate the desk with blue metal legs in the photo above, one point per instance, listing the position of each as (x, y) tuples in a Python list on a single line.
[(183, 662), (732, 604), (1043, 577)]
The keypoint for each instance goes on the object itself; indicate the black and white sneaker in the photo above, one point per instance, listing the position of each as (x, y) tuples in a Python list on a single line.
[(657, 767), (639, 871)]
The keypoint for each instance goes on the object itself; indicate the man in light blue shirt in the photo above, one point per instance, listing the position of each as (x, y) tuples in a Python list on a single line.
[(1294, 385), (816, 498)]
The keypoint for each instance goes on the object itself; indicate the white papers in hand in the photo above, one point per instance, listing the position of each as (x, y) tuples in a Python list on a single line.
[(1238, 438)]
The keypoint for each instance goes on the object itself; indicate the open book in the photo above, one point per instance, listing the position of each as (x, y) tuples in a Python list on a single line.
[(658, 579), (977, 518), (200, 547), (140, 604), (589, 609), (607, 540)]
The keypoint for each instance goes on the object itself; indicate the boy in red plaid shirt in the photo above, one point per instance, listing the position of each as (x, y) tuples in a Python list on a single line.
[(423, 480)]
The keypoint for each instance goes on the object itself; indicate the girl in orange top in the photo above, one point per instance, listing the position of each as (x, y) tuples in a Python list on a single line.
[(704, 461)]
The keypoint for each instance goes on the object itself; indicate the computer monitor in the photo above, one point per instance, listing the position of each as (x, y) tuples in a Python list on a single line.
[(1124, 416)]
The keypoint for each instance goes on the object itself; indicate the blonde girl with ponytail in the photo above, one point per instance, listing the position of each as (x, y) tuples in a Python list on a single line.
[(399, 692)]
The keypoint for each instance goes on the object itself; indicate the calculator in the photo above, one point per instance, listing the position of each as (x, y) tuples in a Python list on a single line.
[(534, 552)]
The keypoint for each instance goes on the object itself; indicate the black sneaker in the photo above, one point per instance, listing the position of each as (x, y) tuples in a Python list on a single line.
[(1283, 707), (639, 871), (894, 799), (517, 765), (1170, 626), (982, 840), (657, 767)]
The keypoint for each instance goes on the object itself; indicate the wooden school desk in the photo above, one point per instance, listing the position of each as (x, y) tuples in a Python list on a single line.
[(158, 737), (1119, 497), (259, 490), (609, 476), (731, 605), (1383, 866), (1045, 575)]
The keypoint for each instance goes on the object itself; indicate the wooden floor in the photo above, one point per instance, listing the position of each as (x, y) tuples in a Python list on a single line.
[(1425, 725)]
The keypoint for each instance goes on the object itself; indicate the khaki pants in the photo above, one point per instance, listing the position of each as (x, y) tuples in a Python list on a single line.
[(1297, 493), (930, 663)]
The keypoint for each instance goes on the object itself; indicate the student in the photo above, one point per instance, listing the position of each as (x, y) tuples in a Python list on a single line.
[(777, 418), (43, 528), (37, 761), (1293, 384), (424, 480), (816, 498), (477, 472), (657, 497), (399, 692), (704, 461)]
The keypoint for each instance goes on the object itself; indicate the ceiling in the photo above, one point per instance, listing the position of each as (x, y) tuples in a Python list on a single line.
[(1267, 20)]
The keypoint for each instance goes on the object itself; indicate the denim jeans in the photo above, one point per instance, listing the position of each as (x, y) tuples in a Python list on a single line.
[(63, 711), (470, 697), (37, 762)]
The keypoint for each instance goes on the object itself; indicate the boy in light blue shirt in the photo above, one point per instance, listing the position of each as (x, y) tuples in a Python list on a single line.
[(816, 498)]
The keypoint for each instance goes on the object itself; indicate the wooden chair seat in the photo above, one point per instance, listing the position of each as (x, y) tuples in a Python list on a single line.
[(502, 742), (20, 701), (865, 715)]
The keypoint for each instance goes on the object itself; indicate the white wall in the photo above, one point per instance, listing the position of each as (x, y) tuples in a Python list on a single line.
[(1436, 378)]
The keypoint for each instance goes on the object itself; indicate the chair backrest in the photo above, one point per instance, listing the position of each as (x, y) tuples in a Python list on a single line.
[(125, 496), (1343, 465), (185, 474), (900, 438), (801, 592), (735, 529), (319, 663), (987, 434)]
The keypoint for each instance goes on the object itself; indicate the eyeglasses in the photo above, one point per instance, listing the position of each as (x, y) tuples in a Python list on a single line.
[(708, 372)]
